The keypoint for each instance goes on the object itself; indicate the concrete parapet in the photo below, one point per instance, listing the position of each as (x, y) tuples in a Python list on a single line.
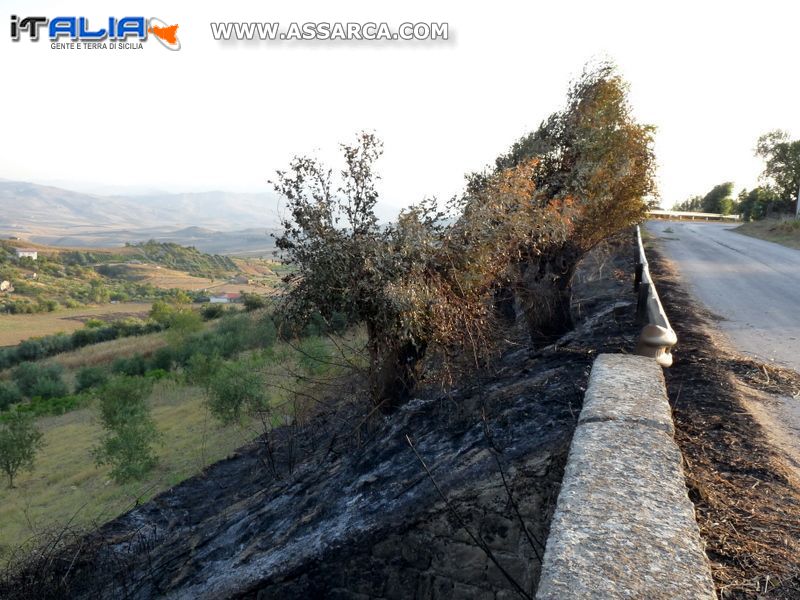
[(624, 526)]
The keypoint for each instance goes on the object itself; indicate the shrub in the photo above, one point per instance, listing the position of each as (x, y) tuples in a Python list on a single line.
[(181, 324), (162, 359), (253, 301), (156, 374), (47, 388), (265, 331), (315, 355), (133, 366), (212, 311), (9, 394), (201, 369), (90, 377), (40, 380), (39, 407)]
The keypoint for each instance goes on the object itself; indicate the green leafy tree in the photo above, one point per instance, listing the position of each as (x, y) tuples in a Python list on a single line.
[(90, 377), (693, 204), (757, 203), (9, 394), (237, 388), (19, 442), (182, 324), (130, 432), (782, 167), (718, 200), (162, 311), (253, 301), (98, 293)]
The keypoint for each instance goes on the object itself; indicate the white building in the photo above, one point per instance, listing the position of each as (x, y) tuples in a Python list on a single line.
[(27, 253), (225, 298)]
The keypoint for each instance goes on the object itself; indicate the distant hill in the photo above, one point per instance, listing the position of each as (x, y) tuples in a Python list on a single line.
[(213, 222), (37, 209), (245, 242)]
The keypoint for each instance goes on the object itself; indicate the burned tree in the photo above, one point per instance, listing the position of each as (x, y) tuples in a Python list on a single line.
[(596, 167), (418, 283)]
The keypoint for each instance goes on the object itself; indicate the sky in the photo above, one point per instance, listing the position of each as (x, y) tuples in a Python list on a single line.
[(712, 76)]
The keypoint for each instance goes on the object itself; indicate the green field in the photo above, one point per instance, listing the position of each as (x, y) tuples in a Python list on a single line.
[(15, 328), (66, 485)]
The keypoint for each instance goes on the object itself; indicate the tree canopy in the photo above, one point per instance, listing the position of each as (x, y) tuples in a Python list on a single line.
[(782, 166)]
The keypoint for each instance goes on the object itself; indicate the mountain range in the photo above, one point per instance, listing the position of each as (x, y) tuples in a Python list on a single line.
[(218, 222)]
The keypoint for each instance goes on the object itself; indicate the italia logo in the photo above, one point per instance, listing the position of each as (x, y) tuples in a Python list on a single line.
[(78, 29)]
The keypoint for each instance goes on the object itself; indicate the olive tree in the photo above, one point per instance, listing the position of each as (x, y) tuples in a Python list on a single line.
[(19, 442), (129, 429)]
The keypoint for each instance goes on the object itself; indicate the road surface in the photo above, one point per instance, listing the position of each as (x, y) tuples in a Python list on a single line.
[(752, 286)]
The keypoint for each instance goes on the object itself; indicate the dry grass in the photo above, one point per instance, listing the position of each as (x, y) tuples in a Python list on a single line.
[(165, 278), (15, 328), (784, 231), (66, 483), (106, 352)]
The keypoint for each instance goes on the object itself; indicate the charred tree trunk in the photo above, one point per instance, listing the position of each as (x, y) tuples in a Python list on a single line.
[(545, 292), (394, 371), (505, 302)]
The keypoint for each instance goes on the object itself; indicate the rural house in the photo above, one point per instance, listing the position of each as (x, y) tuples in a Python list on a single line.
[(225, 298), (27, 253)]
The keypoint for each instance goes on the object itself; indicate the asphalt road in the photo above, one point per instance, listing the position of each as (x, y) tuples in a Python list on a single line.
[(752, 286)]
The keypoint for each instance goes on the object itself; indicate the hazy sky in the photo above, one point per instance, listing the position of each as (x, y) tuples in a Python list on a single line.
[(712, 76)]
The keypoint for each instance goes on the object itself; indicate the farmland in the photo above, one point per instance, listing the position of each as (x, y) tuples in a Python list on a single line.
[(143, 272), (15, 328), (67, 486)]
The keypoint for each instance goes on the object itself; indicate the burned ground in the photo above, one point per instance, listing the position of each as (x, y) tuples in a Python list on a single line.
[(345, 507), (746, 499)]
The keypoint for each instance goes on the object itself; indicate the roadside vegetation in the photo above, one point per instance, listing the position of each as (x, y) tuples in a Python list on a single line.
[(784, 231)]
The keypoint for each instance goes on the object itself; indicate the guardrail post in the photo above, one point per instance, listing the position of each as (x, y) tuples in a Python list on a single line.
[(641, 302), (637, 276)]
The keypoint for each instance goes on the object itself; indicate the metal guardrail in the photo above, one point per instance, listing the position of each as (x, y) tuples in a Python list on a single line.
[(681, 215), (657, 336)]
